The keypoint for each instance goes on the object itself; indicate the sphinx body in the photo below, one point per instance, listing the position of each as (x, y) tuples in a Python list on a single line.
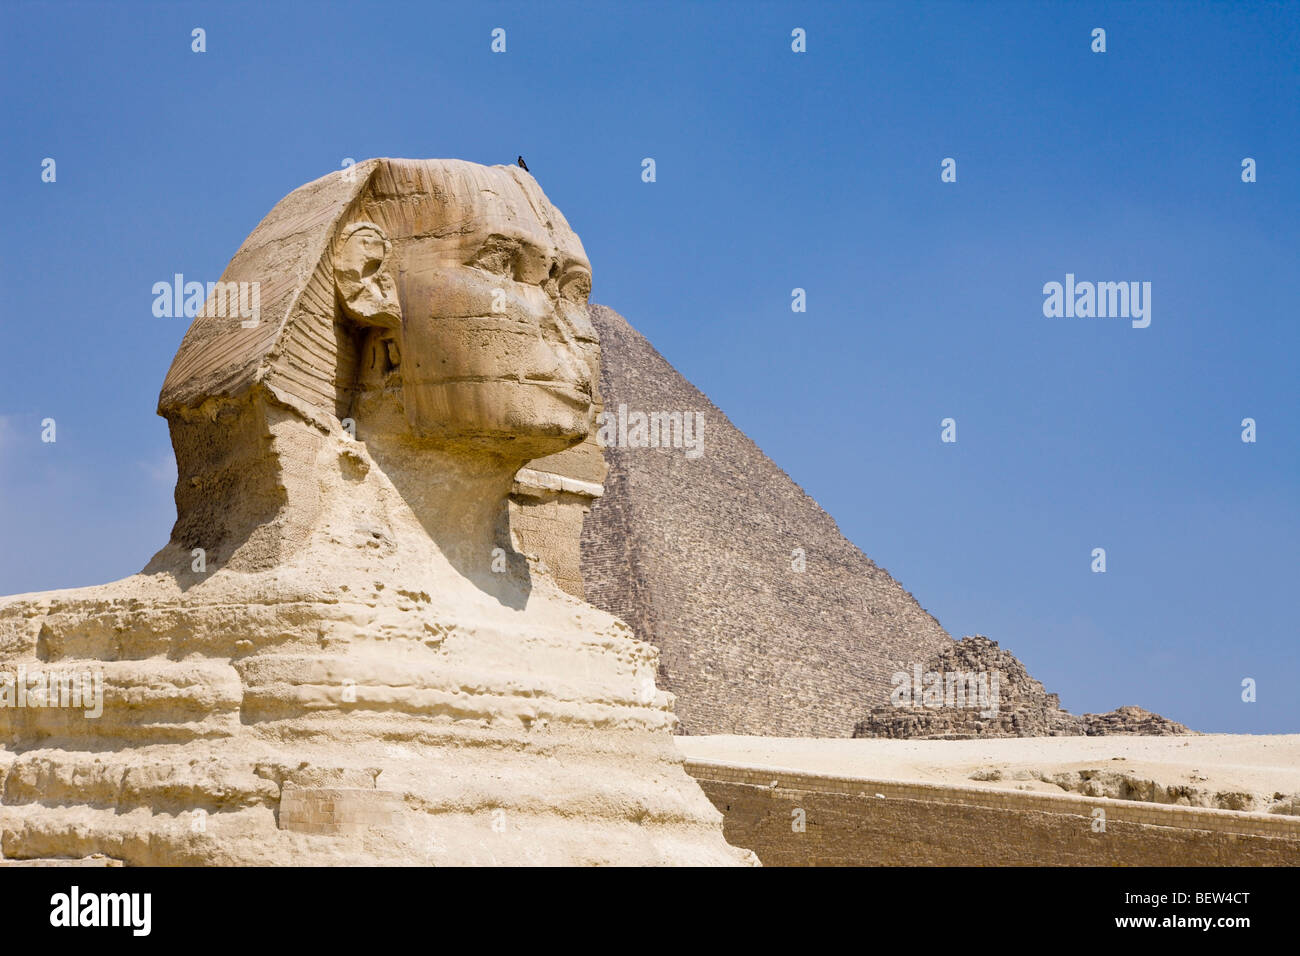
[(340, 656)]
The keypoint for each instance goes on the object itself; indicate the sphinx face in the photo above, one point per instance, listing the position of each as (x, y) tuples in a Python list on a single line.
[(495, 342)]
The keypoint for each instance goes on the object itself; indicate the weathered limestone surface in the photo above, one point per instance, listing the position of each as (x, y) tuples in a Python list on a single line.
[(340, 656), (1131, 720)]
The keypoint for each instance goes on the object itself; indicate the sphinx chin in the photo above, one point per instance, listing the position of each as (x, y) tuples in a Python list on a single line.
[(517, 418)]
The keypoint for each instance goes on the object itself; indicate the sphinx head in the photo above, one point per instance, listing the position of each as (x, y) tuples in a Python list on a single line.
[(472, 292), (433, 309)]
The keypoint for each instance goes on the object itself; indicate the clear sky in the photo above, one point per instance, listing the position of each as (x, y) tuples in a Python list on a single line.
[(775, 170)]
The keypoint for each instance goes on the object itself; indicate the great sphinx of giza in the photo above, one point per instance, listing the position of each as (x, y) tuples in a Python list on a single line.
[(339, 657)]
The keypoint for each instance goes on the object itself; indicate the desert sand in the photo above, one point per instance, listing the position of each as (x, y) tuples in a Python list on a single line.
[(1228, 771)]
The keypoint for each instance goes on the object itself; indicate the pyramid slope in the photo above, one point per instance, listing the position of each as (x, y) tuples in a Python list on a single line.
[(696, 555)]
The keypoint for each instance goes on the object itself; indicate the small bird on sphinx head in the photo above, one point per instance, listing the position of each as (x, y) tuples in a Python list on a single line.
[(522, 164)]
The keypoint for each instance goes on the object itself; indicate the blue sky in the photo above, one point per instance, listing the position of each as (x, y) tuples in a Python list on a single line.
[(775, 170)]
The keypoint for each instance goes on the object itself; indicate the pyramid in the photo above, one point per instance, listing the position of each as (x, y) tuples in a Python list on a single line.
[(699, 555), (1018, 705)]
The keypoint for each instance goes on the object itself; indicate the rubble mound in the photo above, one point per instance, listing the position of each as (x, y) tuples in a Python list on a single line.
[(974, 688)]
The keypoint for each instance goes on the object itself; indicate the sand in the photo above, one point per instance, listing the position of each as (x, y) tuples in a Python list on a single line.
[(1229, 771)]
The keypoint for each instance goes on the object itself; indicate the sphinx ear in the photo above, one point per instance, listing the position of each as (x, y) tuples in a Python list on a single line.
[(363, 276)]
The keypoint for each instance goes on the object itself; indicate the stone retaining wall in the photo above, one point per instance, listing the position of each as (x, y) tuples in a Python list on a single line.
[(851, 821)]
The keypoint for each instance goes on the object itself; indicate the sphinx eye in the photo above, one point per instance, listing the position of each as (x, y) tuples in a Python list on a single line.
[(576, 285), (499, 255)]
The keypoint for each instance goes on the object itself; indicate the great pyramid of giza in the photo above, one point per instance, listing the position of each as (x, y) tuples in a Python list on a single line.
[(699, 555)]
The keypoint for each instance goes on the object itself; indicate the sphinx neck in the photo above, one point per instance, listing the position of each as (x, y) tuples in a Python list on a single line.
[(464, 505), (460, 499)]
